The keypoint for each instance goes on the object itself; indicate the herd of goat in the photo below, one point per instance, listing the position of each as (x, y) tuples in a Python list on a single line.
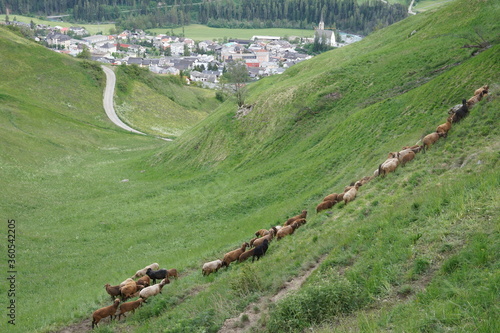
[(257, 247)]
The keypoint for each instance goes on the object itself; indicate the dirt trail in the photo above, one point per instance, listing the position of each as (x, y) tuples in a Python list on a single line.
[(83, 326), (251, 317)]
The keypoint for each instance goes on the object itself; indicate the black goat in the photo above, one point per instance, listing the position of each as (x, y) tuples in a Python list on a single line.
[(461, 113), (157, 275), (260, 250)]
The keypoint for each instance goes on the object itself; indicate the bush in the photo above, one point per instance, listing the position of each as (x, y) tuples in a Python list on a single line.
[(246, 281), (312, 304), (220, 96)]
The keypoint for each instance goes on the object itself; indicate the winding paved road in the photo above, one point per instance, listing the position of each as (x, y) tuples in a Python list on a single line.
[(108, 101)]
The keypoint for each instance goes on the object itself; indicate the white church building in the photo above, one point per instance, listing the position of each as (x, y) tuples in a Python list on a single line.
[(325, 36)]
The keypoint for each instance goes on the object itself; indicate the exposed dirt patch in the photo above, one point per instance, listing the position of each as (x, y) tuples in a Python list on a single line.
[(243, 111), (250, 317), (83, 326)]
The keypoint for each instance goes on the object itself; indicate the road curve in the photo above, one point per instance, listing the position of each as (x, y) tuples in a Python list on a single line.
[(108, 101)]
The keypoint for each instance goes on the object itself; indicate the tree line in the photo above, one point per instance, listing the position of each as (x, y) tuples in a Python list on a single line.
[(346, 15)]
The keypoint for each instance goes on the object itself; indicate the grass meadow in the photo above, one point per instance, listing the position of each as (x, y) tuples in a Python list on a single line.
[(93, 29), (201, 32), (417, 250)]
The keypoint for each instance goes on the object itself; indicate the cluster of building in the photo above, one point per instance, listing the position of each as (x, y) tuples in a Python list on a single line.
[(202, 61)]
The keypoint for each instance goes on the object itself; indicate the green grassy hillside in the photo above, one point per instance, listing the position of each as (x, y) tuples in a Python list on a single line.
[(416, 251), (160, 104)]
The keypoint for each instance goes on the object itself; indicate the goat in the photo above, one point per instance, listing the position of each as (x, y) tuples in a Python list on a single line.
[(153, 290), (245, 255), (322, 206), (461, 112), (210, 267), (444, 128), (113, 291), (302, 215), (416, 148), (156, 275), (389, 165), (172, 273), (107, 311), (129, 306), (143, 271), (288, 230), (351, 194), (129, 289), (430, 139), (261, 232), (475, 99), (144, 281), (234, 255), (483, 89), (260, 250), (269, 237), (331, 197), (407, 157)]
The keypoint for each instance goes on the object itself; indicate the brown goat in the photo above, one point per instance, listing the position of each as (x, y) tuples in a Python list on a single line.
[(302, 215), (430, 139), (416, 148), (444, 128), (172, 273), (405, 158), (300, 222), (288, 230), (107, 311), (364, 180), (233, 255), (322, 206), (331, 197), (269, 237), (113, 291), (483, 89), (144, 281), (129, 289), (245, 255), (129, 306), (476, 99), (261, 232)]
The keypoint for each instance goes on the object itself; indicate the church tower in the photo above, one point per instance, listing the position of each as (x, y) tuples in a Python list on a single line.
[(321, 25)]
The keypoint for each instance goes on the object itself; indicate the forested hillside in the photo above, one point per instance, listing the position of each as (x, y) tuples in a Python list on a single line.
[(347, 15)]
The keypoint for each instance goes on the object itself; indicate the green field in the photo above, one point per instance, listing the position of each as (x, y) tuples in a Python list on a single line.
[(417, 251), (91, 28), (423, 5), (200, 32)]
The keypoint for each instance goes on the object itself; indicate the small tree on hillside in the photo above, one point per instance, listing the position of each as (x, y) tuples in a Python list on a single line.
[(85, 54), (237, 76)]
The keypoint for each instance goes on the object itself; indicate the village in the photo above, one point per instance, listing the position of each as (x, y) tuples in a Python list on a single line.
[(200, 62)]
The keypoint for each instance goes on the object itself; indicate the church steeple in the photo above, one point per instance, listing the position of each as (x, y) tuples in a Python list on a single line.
[(321, 25)]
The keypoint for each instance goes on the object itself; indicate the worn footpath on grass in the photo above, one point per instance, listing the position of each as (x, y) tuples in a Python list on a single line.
[(251, 317)]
